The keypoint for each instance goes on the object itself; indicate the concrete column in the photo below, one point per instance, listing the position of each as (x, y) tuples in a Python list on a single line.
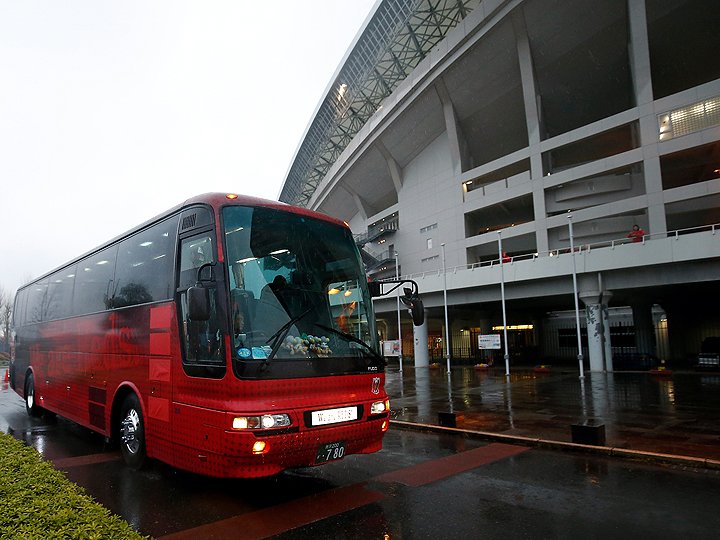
[(596, 350), (606, 341), (420, 335), (456, 140), (644, 328), (649, 133), (594, 321), (533, 121)]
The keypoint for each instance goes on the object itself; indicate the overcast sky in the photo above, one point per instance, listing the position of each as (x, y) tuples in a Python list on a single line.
[(112, 111)]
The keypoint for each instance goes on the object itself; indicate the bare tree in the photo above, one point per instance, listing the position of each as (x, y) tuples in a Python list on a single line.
[(4, 322), (6, 311)]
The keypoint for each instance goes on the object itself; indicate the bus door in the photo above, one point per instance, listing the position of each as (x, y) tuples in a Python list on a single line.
[(197, 388), (202, 340)]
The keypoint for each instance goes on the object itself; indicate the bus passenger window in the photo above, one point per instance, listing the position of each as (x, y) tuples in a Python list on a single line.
[(144, 269), (93, 282)]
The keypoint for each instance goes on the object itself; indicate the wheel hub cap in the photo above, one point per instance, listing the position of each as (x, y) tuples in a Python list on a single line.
[(128, 431)]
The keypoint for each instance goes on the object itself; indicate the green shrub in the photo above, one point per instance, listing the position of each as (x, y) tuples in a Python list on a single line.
[(38, 501)]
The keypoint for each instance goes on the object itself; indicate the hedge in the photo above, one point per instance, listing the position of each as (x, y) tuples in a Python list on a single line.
[(38, 501)]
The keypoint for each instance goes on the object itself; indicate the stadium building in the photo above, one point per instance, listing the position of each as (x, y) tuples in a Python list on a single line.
[(470, 144)]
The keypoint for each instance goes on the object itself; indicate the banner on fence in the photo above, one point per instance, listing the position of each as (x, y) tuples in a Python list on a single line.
[(489, 341), (391, 347)]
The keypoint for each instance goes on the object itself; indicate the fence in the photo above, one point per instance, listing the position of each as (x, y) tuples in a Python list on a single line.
[(555, 343), (580, 248)]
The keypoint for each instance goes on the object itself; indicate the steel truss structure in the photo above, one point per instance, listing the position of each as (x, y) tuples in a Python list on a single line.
[(398, 37)]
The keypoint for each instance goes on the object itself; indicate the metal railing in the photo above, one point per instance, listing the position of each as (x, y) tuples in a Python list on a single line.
[(581, 248)]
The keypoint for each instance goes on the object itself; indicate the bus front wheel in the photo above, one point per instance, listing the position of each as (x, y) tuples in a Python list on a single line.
[(132, 432), (31, 406)]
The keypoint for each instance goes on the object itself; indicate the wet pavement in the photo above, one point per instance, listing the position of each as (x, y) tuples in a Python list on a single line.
[(420, 485), (676, 414)]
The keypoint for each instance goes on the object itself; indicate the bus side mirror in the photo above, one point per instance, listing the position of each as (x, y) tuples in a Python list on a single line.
[(198, 299), (415, 306), (418, 313)]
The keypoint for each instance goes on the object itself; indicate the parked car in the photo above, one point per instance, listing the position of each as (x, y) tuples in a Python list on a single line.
[(709, 357)]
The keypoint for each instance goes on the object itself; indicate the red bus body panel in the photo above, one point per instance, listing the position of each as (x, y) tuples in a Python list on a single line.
[(83, 365)]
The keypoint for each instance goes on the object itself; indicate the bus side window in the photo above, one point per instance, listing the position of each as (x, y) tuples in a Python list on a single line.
[(203, 341), (36, 303), (144, 269), (93, 282)]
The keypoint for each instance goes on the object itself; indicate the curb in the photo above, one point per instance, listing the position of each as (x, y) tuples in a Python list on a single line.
[(610, 451)]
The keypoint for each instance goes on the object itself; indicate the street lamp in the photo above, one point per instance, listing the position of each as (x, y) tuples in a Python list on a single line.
[(502, 299), (575, 295), (447, 326)]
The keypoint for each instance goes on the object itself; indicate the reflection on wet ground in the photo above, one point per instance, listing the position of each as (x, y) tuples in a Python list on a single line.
[(422, 485), (678, 414)]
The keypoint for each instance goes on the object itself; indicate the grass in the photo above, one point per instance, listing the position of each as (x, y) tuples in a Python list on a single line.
[(37, 501)]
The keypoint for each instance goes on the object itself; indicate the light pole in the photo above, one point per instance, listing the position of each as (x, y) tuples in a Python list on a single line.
[(397, 277), (575, 295), (502, 299), (447, 326)]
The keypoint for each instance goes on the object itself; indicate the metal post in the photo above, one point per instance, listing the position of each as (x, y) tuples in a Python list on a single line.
[(397, 276), (575, 295), (447, 326), (502, 298)]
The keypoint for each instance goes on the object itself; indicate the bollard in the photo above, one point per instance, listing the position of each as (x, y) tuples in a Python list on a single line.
[(591, 431), (449, 419)]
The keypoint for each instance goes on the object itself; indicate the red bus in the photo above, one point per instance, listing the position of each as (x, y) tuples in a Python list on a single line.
[(230, 336)]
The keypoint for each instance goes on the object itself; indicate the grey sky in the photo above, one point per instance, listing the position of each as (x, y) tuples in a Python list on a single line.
[(113, 111)]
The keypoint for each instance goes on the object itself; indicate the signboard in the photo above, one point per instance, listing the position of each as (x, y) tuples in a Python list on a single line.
[(489, 341), (391, 347)]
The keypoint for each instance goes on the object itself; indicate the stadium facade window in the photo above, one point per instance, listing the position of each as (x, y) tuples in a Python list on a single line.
[(690, 166), (517, 172), (608, 143), (508, 213), (686, 120), (603, 188)]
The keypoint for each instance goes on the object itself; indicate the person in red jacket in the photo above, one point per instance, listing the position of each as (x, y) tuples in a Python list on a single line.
[(636, 235)]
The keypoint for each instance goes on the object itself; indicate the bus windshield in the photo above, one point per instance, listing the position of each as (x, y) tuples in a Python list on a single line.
[(298, 295)]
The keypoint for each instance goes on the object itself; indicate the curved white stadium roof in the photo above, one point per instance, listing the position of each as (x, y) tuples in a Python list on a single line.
[(398, 35)]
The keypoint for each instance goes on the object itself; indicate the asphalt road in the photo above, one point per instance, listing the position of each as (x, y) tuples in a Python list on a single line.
[(419, 486)]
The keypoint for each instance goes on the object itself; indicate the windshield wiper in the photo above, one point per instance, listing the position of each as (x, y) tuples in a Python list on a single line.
[(279, 336), (354, 339)]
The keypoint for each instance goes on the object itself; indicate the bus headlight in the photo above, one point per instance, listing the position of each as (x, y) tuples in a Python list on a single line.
[(266, 421), (380, 407)]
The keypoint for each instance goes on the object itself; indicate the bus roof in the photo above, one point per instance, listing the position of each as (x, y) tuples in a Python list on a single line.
[(216, 201)]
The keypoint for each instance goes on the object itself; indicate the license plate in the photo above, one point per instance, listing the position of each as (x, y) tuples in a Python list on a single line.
[(334, 416), (330, 452)]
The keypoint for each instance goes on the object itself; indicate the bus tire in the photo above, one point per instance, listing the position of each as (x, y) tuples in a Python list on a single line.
[(132, 432), (31, 406)]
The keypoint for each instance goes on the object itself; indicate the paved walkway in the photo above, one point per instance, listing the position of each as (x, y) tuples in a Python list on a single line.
[(677, 415)]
